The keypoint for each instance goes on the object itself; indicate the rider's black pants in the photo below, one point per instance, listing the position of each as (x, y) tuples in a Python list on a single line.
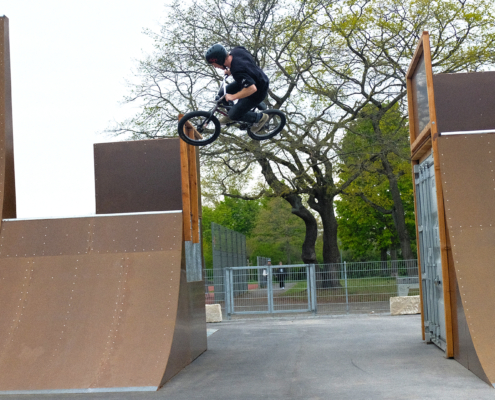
[(240, 111)]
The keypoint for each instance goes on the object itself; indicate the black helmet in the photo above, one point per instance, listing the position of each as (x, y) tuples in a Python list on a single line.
[(216, 54)]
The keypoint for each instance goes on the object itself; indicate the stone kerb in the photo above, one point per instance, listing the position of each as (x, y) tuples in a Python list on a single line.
[(213, 313), (405, 305)]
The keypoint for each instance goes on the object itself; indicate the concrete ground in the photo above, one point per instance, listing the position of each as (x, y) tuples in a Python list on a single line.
[(347, 357)]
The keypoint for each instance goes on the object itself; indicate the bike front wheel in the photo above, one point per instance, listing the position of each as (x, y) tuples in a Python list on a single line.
[(199, 128), (274, 125)]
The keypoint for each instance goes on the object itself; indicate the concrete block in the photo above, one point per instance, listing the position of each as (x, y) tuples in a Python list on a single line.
[(403, 305), (213, 313)]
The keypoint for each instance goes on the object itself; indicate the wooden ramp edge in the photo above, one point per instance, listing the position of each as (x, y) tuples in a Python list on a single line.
[(467, 164)]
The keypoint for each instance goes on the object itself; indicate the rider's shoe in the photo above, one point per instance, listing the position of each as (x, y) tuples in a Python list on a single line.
[(258, 125), (224, 120)]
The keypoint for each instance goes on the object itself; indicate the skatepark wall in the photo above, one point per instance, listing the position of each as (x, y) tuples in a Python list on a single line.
[(452, 123), (108, 302)]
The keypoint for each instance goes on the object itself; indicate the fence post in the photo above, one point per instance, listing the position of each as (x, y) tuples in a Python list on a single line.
[(312, 283), (270, 288), (346, 291), (227, 292)]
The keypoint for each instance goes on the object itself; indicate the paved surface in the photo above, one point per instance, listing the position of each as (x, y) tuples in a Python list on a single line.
[(348, 357)]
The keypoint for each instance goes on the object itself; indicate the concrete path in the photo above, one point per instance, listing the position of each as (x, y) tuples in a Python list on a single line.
[(348, 357)]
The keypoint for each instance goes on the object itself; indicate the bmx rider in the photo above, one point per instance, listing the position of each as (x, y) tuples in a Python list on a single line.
[(250, 84)]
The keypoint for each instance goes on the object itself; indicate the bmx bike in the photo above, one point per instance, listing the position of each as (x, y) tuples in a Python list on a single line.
[(207, 128)]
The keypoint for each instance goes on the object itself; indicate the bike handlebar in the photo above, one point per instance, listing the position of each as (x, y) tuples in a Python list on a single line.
[(224, 89)]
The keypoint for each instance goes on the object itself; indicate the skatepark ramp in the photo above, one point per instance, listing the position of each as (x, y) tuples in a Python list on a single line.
[(108, 302), (452, 127)]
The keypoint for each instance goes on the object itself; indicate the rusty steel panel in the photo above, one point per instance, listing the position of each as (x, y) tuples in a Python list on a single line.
[(128, 233), (96, 319), (138, 176), (7, 177), (464, 351), (465, 102), (468, 180), (46, 237)]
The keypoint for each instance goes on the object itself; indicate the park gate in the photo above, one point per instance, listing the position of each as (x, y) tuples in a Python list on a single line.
[(273, 295)]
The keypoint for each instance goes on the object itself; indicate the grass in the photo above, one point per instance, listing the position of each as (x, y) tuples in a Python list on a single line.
[(355, 286)]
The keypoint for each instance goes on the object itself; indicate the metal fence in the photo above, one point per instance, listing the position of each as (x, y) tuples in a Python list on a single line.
[(342, 288), (229, 250)]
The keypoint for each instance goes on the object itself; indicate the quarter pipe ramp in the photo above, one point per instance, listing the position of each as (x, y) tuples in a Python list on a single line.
[(109, 302)]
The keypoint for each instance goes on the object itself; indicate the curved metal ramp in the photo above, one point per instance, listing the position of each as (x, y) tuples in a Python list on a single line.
[(111, 302), (88, 303), (467, 165)]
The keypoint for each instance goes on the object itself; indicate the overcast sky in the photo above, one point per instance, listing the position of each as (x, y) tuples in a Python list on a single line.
[(69, 63)]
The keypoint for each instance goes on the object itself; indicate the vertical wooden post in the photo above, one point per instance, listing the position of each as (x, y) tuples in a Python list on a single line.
[(412, 137), (193, 179), (186, 191), (190, 179), (440, 201)]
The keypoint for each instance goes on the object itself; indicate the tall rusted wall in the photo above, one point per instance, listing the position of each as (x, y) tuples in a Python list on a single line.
[(138, 176), (465, 102), (145, 176), (7, 178)]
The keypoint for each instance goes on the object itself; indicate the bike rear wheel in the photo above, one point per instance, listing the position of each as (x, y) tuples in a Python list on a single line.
[(199, 128), (274, 125)]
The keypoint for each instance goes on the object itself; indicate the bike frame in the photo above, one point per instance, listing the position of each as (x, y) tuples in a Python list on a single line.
[(220, 108)]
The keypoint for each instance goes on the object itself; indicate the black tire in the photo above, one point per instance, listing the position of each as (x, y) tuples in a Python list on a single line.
[(274, 125), (204, 123)]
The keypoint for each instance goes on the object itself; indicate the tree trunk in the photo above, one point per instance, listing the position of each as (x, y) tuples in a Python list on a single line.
[(329, 271), (308, 248), (398, 211)]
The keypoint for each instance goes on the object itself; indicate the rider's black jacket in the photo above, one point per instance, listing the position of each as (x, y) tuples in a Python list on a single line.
[(246, 73)]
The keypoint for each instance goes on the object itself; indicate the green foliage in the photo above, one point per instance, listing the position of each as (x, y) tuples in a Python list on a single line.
[(364, 229), (233, 213), (278, 233)]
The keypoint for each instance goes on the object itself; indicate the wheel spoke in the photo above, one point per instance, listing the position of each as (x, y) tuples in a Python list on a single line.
[(270, 126), (203, 129), (199, 128), (274, 125)]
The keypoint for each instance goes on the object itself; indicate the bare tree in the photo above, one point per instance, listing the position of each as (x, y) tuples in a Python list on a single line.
[(322, 75), (366, 47)]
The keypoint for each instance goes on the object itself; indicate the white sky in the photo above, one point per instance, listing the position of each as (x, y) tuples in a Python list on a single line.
[(69, 63)]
